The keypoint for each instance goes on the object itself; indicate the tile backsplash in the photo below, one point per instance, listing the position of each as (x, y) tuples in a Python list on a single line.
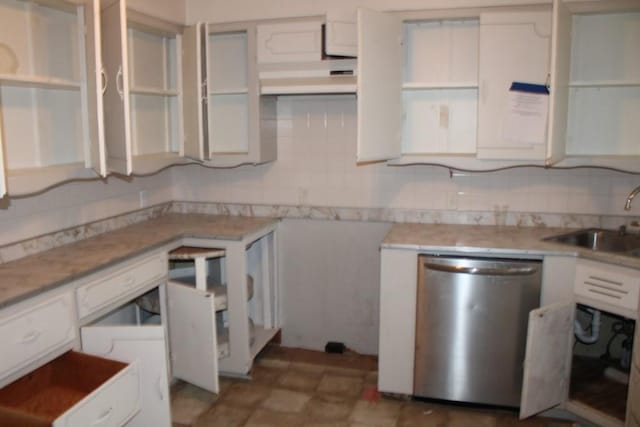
[(316, 166)]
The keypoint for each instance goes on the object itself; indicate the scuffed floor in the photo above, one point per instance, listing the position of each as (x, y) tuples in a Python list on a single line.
[(292, 387)]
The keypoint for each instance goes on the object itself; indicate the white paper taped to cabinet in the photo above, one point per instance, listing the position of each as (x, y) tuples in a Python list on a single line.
[(525, 121)]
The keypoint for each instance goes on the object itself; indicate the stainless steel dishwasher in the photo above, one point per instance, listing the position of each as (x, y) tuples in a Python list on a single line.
[(471, 327)]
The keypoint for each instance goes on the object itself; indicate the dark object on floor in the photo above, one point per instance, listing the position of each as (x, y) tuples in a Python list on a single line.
[(334, 347)]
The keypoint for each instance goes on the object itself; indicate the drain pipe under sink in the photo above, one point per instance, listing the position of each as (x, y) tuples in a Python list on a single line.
[(582, 334)]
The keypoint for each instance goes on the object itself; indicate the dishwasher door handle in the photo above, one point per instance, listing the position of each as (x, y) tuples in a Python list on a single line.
[(482, 271)]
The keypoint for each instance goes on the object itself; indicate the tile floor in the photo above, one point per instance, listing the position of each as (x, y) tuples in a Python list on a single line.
[(292, 387)]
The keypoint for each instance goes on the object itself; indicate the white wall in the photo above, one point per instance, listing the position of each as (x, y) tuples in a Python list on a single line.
[(330, 283), (317, 166), (77, 203), (330, 268)]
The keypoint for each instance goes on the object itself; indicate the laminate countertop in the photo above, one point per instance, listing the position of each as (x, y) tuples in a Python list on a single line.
[(34, 274), (492, 240)]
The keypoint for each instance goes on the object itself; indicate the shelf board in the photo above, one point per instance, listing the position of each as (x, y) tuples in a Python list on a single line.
[(299, 86), (605, 83), (230, 91), (438, 85), (38, 82), (153, 91)]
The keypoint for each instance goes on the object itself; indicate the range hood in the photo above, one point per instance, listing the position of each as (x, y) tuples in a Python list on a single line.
[(293, 60)]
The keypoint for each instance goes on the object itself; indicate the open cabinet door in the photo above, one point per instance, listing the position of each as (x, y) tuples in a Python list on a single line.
[(379, 86), (95, 86), (559, 92), (143, 343), (3, 176), (547, 359), (193, 87), (192, 336), (116, 96), (341, 31)]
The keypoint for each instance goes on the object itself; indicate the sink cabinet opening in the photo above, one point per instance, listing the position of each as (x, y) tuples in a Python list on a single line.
[(601, 361)]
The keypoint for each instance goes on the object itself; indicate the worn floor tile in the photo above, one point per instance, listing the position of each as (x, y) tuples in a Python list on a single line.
[(346, 372), (383, 413), (245, 394), (307, 367), (326, 424), (459, 418), (299, 380), (266, 418), (273, 363), (416, 414), (281, 400), (266, 375), (188, 402), (222, 415), (337, 384), (327, 408)]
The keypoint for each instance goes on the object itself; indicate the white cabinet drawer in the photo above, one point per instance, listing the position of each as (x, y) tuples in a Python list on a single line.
[(30, 333), (289, 42), (120, 283), (74, 390), (614, 285)]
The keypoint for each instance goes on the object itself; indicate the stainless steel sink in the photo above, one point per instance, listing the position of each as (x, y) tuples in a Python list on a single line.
[(598, 239)]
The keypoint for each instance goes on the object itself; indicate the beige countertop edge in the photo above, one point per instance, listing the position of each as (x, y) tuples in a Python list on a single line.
[(483, 240), (10, 295)]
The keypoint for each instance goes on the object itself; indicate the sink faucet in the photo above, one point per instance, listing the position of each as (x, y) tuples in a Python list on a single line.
[(633, 194)]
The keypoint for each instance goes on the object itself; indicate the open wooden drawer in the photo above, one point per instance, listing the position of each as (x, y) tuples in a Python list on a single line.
[(74, 389)]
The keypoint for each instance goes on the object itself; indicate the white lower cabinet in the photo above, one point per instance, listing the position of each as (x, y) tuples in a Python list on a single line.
[(548, 377), (32, 332), (123, 336)]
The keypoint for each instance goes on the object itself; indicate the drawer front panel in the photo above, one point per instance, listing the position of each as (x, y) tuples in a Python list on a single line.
[(112, 404), (611, 284), (125, 281), (31, 333)]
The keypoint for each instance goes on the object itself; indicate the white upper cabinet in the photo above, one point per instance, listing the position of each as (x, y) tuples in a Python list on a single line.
[(597, 56), (440, 87), (239, 125), (379, 86), (514, 47), (143, 99), (50, 92)]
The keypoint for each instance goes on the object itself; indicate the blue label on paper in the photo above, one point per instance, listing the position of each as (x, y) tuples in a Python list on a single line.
[(529, 88)]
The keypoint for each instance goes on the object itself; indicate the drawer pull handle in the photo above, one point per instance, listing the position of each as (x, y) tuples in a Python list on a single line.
[(30, 337), (104, 417)]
